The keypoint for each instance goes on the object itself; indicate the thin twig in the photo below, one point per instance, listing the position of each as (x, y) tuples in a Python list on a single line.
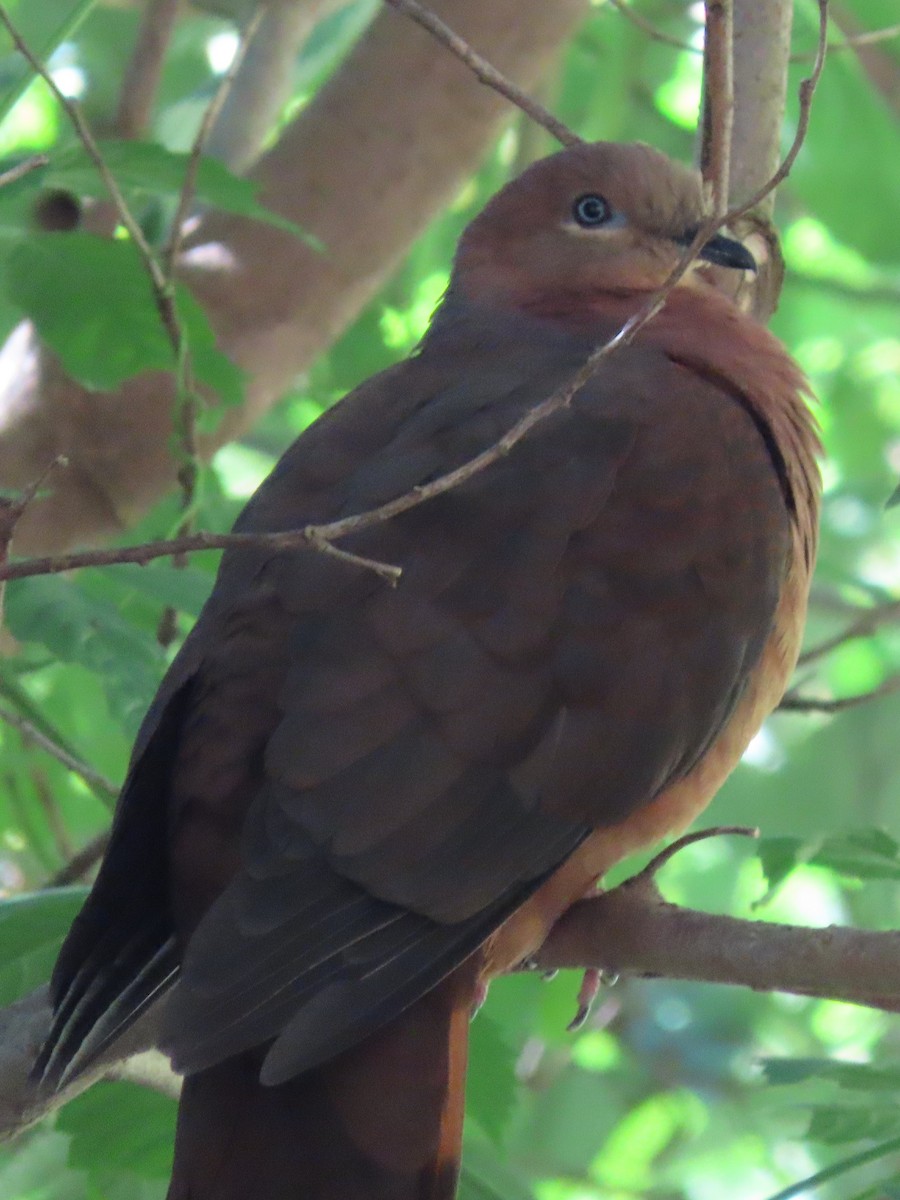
[(187, 400), (30, 733), (142, 75), (806, 92), (484, 72), (189, 185), (12, 511), (718, 108), (792, 702), (868, 38), (52, 815), (161, 291), (20, 170), (81, 862), (652, 31), (699, 835), (322, 537), (864, 626), (164, 548)]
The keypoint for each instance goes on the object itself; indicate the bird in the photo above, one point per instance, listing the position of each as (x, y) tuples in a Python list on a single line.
[(352, 803)]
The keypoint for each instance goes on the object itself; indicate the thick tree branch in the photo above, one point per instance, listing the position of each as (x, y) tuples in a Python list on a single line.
[(265, 82), (145, 67), (633, 931), (276, 304), (628, 931)]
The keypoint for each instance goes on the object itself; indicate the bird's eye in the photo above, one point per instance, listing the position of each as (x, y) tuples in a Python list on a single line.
[(590, 211)]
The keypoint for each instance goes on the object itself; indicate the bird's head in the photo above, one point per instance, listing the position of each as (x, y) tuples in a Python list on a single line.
[(593, 218)]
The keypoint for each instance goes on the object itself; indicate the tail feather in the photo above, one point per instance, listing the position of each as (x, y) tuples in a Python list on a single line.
[(383, 1121)]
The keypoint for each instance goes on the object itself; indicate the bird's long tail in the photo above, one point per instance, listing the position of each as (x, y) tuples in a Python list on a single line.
[(381, 1122)]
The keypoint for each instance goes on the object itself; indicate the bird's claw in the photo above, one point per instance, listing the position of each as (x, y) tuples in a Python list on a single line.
[(587, 994)]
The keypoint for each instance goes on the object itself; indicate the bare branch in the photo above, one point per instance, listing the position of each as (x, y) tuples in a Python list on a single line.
[(83, 861), (144, 69), (718, 107), (864, 626), (806, 93), (265, 82), (665, 855), (627, 931), (188, 187), (187, 399), (484, 72), (191, 543), (870, 37), (12, 511), (793, 702), (630, 931), (30, 733), (651, 30), (25, 167), (322, 537), (161, 290)]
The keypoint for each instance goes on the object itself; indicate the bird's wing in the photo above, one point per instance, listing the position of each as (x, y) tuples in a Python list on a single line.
[(369, 779)]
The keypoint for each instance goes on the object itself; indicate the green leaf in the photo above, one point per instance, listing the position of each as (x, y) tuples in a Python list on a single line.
[(92, 301), (861, 854), (778, 856), (183, 588), (43, 27), (833, 1124), (85, 629), (146, 168), (32, 928), (120, 1128), (856, 1076), (211, 366)]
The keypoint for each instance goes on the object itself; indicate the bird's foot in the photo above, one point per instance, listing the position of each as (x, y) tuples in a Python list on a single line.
[(587, 994), (481, 992)]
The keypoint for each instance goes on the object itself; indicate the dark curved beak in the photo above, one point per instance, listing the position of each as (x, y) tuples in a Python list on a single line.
[(721, 250)]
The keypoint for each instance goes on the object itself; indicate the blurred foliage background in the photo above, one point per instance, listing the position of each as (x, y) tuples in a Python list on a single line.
[(672, 1092)]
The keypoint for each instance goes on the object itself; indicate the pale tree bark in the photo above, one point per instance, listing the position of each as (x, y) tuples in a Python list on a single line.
[(376, 155)]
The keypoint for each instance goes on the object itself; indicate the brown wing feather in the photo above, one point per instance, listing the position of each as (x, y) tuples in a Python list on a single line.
[(572, 629)]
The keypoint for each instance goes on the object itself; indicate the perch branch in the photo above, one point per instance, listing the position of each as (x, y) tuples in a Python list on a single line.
[(627, 931), (632, 931)]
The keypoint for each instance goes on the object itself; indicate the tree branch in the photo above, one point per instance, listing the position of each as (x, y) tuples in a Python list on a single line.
[(633, 931), (630, 930), (794, 702), (274, 303), (265, 81), (718, 106), (484, 72), (145, 66)]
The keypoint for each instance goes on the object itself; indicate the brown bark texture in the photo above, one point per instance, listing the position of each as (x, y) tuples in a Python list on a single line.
[(372, 159)]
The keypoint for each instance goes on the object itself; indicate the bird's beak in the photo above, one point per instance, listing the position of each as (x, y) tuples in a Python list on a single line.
[(721, 250)]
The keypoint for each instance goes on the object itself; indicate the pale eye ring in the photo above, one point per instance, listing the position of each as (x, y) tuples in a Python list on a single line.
[(591, 210)]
